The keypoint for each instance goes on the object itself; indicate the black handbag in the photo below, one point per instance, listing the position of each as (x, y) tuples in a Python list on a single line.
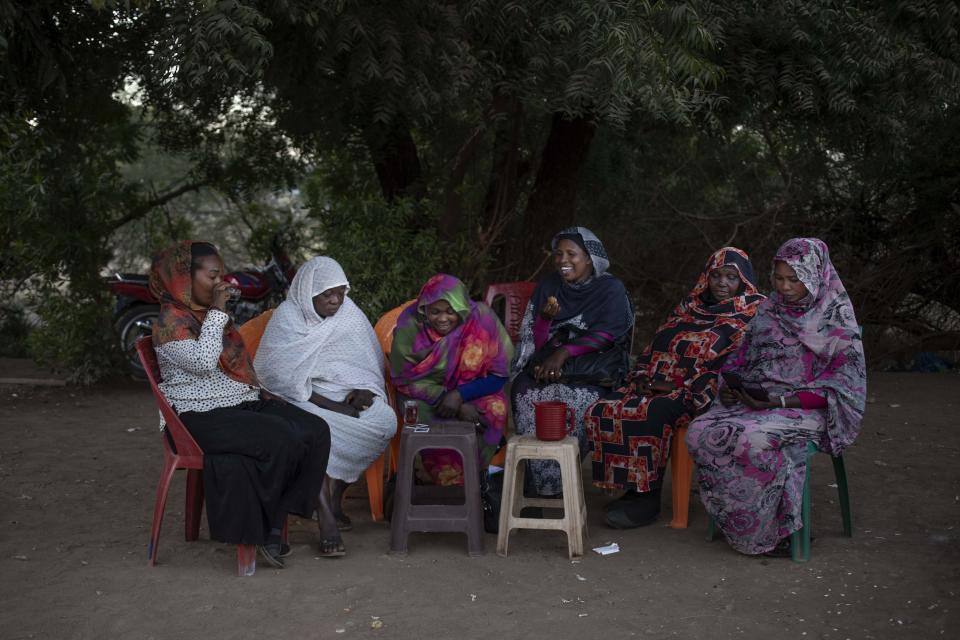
[(606, 368)]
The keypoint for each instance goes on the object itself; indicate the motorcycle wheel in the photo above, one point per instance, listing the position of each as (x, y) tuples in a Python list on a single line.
[(135, 323)]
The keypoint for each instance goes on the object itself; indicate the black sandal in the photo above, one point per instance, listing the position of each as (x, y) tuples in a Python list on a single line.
[(633, 510), (271, 553)]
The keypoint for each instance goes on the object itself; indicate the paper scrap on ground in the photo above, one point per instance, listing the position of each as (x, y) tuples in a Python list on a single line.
[(606, 550)]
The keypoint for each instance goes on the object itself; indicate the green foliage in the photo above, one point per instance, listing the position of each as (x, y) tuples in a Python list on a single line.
[(14, 331), (386, 261), (699, 123), (75, 335)]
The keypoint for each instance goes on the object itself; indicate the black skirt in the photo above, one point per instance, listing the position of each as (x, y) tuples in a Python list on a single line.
[(262, 460)]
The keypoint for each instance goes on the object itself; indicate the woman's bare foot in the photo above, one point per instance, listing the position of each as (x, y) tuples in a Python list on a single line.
[(331, 544)]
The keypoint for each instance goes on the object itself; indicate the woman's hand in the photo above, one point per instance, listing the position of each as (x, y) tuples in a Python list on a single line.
[(332, 405), (551, 369), (728, 397), (360, 399), (656, 387), (221, 293), (550, 308), (450, 404), (753, 403), (266, 395), (468, 413), (639, 383), (644, 386), (344, 408)]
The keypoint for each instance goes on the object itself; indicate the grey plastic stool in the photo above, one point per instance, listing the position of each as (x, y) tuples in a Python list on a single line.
[(466, 517)]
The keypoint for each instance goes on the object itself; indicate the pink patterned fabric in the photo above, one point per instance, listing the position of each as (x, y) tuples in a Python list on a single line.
[(752, 462)]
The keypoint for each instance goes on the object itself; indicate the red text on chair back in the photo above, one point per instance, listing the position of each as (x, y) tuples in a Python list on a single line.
[(515, 296)]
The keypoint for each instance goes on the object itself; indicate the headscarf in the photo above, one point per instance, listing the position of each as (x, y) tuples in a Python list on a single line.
[(598, 307), (697, 336), (824, 325), (425, 365), (300, 352), (171, 283)]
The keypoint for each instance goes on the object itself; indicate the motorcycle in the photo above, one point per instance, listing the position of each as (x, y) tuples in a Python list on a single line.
[(136, 307)]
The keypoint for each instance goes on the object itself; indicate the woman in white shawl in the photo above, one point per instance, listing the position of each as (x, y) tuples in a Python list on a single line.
[(320, 353)]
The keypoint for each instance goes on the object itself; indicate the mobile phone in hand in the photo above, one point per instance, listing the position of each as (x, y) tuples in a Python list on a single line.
[(752, 389), (733, 380)]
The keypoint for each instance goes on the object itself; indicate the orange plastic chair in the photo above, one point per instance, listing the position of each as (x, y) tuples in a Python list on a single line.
[(252, 332), (183, 454), (515, 297), (384, 330), (681, 476)]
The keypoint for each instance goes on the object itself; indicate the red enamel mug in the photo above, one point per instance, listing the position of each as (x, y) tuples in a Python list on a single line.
[(554, 421)]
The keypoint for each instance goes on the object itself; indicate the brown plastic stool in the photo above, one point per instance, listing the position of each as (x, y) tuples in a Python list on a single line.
[(466, 517), (574, 520)]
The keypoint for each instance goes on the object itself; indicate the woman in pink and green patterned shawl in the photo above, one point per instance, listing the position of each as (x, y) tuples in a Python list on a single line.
[(453, 356), (803, 347)]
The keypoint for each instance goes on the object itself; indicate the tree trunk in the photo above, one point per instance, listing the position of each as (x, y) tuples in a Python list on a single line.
[(552, 204), (395, 159), (507, 172)]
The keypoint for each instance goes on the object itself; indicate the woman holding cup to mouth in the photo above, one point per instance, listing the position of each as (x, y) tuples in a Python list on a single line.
[(263, 458)]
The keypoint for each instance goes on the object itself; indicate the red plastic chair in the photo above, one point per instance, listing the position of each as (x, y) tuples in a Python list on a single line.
[(515, 297), (189, 456)]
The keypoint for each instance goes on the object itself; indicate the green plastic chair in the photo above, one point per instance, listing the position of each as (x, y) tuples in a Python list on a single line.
[(800, 539)]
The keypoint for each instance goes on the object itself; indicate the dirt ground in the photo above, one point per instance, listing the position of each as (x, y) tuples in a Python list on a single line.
[(78, 472)]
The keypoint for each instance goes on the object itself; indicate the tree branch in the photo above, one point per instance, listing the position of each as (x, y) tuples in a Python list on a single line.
[(157, 201)]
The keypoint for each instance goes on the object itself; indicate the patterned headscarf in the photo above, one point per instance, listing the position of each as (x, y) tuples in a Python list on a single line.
[(425, 365), (697, 336), (598, 307), (589, 243), (171, 283), (824, 324)]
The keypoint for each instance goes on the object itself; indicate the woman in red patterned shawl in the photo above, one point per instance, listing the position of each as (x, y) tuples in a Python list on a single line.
[(675, 379), (262, 458)]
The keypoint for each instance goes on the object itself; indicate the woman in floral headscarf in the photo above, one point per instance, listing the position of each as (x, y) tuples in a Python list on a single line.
[(452, 355), (263, 458), (577, 310), (803, 348), (674, 379)]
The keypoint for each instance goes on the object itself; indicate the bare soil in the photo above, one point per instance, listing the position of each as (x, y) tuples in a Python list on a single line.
[(78, 472)]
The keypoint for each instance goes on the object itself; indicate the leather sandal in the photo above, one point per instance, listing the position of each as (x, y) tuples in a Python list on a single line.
[(271, 553)]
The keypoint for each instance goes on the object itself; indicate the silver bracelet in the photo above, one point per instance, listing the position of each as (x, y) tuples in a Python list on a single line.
[(783, 401)]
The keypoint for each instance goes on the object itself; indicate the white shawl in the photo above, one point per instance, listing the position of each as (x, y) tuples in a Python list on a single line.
[(300, 352)]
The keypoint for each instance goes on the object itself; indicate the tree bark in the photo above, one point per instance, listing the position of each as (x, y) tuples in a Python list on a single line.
[(552, 204), (395, 159), (503, 188)]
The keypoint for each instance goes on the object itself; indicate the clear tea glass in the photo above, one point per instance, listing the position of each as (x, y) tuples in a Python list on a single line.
[(411, 412)]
